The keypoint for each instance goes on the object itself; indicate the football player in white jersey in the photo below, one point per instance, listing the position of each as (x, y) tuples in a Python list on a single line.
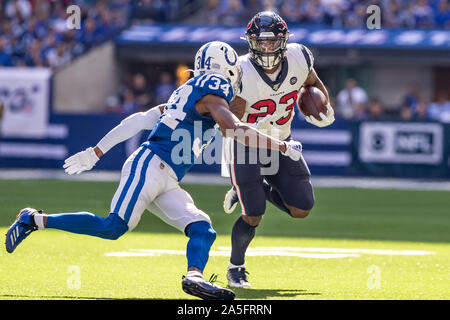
[(273, 74)]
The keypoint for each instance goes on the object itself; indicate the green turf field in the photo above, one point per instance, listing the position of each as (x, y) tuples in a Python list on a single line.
[(356, 244)]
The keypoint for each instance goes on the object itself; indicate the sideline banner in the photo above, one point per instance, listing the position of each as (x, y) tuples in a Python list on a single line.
[(401, 149), (407, 143), (24, 99), (308, 35), (356, 148)]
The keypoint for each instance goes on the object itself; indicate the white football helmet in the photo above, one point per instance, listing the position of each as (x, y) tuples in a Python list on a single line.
[(219, 57)]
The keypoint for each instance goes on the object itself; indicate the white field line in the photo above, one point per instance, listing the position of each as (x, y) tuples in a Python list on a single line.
[(216, 179), (313, 253), (343, 250)]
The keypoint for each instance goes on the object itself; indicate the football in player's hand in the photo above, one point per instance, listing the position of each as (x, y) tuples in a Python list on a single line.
[(312, 102)]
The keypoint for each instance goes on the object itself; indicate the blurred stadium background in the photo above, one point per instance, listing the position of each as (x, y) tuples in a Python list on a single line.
[(61, 89)]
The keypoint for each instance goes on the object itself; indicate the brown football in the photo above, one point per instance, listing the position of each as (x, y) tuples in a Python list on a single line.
[(312, 101)]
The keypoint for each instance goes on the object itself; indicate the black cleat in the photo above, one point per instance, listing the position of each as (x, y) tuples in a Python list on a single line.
[(237, 278), (206, 290)]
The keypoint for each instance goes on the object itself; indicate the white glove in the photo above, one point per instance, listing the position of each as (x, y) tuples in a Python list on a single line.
[(293, 150), (326, 119), (81, 161), (264, 123)]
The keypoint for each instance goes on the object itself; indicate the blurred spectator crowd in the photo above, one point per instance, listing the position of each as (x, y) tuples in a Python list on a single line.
[(353, 103), (136, 93), (337, 13), (34, 33)]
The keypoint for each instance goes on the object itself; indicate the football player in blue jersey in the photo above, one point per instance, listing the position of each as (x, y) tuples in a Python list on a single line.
[(150, 176)]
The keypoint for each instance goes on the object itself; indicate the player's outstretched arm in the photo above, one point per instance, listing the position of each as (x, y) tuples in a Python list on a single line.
[(130, 126), (231, 126)]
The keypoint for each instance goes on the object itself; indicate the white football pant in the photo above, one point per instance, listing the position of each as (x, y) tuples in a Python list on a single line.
[(147, 182)]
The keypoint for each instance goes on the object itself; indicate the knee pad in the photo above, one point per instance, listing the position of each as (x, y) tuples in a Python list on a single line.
[(115, 227)]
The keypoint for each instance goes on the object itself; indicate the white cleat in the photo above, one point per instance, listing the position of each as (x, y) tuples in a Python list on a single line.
[(231, 201)]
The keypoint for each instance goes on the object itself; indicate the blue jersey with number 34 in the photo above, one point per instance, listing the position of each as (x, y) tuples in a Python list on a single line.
[(178, 137)]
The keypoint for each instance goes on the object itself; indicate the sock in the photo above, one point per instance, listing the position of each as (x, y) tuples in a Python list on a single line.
[(241, 236), (201, 237), (39, 220), (194, 274), (87, 223), (232, 266), (273, 196)]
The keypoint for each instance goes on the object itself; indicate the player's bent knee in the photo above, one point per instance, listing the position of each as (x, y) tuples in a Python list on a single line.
[(202, 230), (115, 227), (306, 205), (210, 234), (299, 213), (253, 221)]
